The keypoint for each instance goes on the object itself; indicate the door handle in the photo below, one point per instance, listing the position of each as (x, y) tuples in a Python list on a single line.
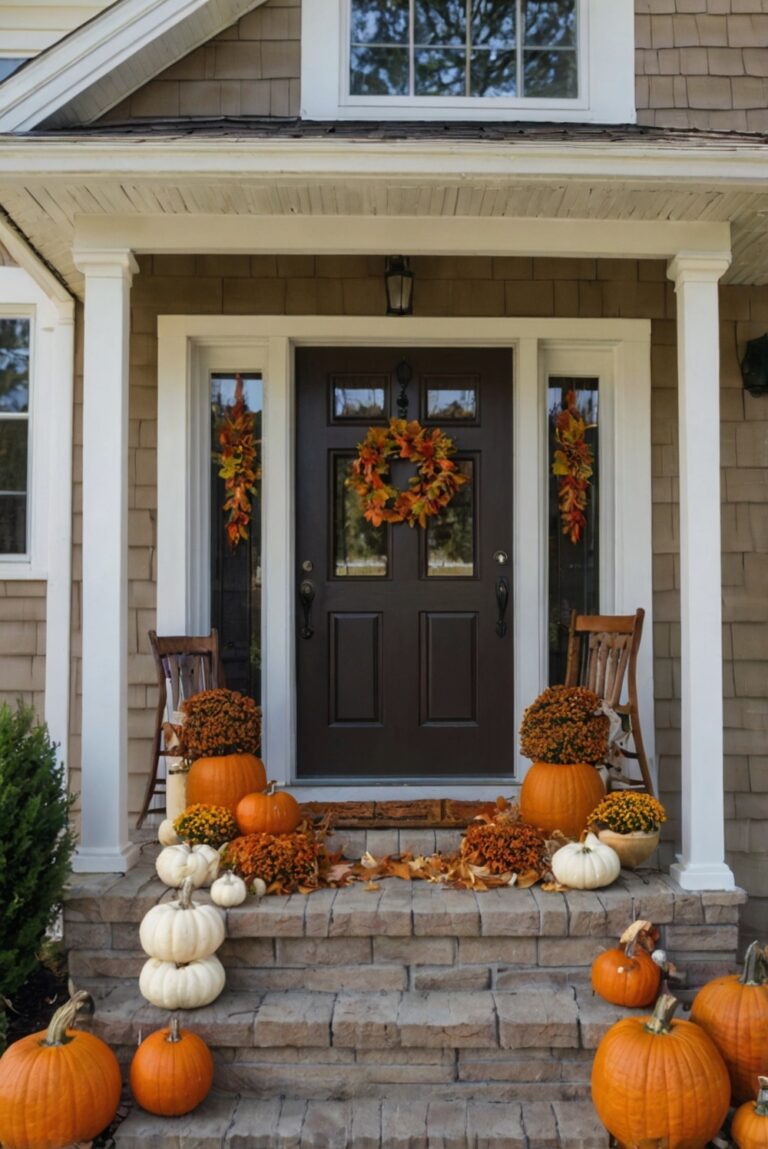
[(502, 601), (306, 597)]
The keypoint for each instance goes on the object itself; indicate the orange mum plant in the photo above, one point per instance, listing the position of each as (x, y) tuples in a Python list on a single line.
[(565, 725), (285, 862), (505, 845), (219, 722), (573, 463)]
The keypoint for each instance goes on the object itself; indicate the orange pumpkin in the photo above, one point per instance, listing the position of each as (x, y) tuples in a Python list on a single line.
[(749, 1128), (274, 812), (556, 797), (660, 1082), (225, 780), (56, 1086), (171, 1071), (734, 1012), (626, 976)]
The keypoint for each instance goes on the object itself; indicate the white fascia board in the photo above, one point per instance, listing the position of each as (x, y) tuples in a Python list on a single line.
[(28, 259), (79, 61), (419, 235), (90, 158)]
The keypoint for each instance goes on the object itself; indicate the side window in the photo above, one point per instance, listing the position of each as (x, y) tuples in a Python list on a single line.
[(464, 48), (15, 341)]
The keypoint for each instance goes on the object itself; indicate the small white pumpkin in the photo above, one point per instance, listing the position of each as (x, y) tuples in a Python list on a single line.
[(586, 865), (166, 835), (177, 863), (228, 890), (171, 986), (259, 887), (181, 931)]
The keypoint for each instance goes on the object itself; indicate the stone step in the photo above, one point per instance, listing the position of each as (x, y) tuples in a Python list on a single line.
[(226, 1122)]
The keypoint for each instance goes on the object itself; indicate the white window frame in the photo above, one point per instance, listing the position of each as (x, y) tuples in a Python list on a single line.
[(21, 298), (615, 351), (606, 64)]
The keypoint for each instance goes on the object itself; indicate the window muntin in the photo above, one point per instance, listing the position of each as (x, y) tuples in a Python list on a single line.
[(464, 48), (15, 348)]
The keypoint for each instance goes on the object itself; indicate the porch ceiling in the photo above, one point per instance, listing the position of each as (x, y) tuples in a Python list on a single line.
[(48, 182)]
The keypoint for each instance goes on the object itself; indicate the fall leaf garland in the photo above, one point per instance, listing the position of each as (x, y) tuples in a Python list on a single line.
[(238, 465), (573, 463), (433, 486)]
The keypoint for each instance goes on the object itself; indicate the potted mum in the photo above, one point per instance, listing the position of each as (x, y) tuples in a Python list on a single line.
[(629, 822), (221, 735), (564, 733)]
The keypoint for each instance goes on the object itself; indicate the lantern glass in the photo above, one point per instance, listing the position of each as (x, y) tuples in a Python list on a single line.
[(399, 283)]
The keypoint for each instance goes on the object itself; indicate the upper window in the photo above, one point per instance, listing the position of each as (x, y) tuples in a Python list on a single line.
[(14, 434), (468, 59), (464, 48)]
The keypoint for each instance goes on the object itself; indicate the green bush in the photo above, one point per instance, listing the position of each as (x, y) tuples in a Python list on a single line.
[(36, 844)]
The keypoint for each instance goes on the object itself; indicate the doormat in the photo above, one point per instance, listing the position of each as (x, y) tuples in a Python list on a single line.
[(410, 814)]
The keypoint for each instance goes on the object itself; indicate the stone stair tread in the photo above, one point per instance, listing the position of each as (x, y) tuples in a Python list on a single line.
[(529, 1016), (232, 1122)]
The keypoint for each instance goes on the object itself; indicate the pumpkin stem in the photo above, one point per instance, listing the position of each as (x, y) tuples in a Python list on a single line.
[(755, 966), (63, 1018), (271, 788), (761, 1105), (660, 1021), (185, 894), (174, 1033)]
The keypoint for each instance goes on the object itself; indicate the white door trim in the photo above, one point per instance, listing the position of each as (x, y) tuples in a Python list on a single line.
[(188, 345)]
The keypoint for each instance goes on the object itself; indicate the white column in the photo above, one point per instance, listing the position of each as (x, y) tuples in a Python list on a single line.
[(104, 841), (701, 865)]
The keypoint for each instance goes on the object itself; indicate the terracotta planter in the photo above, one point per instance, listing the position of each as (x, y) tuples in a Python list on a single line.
[(633, 849), (556, 797)]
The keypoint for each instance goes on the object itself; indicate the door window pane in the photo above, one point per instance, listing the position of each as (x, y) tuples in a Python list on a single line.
[(573, 565), (236, 404), (452, 404), (356, 398), (360, 550), (451, 534), (14, 434)]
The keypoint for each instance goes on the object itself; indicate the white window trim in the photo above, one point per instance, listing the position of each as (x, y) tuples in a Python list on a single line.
[(20, 296), (606, 75), (618, 351)]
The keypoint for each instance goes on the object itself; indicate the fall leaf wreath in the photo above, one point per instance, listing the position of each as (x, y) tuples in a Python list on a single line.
[(433, 487), (573, 464)]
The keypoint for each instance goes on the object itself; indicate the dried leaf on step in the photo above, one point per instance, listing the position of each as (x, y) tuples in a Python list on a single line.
[(631, 932), (370, 887), (525, 881), (368, 861), (553, 887)]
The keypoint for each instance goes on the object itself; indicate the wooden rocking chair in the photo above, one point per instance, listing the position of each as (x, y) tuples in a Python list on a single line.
[(602, 663), (189, 665)]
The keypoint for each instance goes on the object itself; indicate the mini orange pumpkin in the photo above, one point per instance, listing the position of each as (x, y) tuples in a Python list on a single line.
[(749, 1128), (57, 1087), (556, 797), (626, 976), (223, 781), (273, 812), (734, 1012), (171, 1071), (660, 1082)]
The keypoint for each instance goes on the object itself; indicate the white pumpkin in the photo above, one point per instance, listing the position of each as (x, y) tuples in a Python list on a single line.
[(177, 863), (228, 890), (171, 986), (213, 857), (166, 835), (181, 931), (259, 887), (586, 865)]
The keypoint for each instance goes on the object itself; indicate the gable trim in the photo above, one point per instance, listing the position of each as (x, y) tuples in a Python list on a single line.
[(92, 69)]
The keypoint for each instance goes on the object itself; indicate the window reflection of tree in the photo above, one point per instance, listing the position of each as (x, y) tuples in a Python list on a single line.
[(360, 547), (451, 536)]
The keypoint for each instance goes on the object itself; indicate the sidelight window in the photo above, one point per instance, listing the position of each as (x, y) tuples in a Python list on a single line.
[(15, 339)]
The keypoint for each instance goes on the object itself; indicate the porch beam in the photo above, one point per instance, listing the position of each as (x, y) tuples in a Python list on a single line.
[(701, 864), (411, 235), (104, 842)]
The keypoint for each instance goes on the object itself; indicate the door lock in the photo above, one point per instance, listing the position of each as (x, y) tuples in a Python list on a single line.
[(501, 557)]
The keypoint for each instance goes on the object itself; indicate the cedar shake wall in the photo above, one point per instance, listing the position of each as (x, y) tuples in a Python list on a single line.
[(586, 288), (698, 64), (250, 69)]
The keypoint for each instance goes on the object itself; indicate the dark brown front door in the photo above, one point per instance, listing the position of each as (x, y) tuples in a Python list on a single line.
[(404, 661)]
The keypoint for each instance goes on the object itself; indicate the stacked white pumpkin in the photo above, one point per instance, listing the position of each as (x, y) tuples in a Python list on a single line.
[(181, 937)]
